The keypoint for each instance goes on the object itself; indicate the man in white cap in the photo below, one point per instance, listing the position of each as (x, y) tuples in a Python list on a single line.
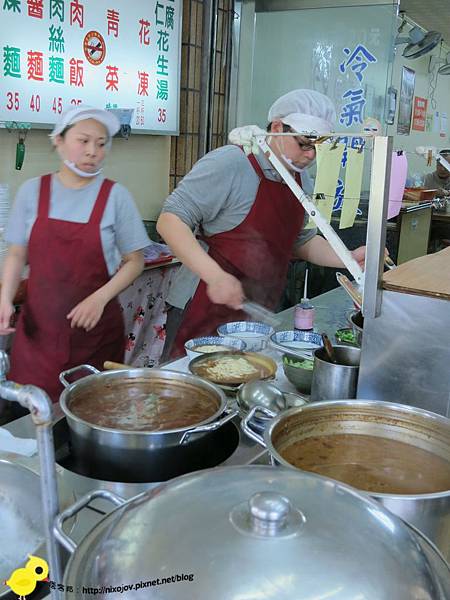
[(440, 178), (249, 223), (82, 237)]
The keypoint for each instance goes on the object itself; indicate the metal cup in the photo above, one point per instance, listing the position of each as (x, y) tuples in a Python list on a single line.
[(335, 381)]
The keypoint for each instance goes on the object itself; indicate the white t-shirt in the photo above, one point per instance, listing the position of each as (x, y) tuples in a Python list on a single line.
[(121, 229)]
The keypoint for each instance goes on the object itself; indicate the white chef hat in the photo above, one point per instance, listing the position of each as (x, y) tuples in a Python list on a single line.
[(306, 111), (82, 112), (444, 151)]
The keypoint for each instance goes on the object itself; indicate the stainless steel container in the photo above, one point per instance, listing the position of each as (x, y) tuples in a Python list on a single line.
[(21, 525), (124, 452), (332, 381), (253, 532), (356, 322), (430, 512)]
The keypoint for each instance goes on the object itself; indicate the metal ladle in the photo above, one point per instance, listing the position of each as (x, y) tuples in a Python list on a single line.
[(263, 393)]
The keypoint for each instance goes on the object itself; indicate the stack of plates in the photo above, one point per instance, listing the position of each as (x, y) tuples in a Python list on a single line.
[(4, 213)]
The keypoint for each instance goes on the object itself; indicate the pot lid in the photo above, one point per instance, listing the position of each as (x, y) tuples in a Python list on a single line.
[(251, 533)]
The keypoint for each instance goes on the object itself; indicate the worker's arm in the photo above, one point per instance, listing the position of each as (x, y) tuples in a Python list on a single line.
[(319, 252), (222, 288), (12, 273), (87, 313)]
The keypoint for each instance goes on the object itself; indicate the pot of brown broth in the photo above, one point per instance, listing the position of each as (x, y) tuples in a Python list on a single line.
[(398, 454)]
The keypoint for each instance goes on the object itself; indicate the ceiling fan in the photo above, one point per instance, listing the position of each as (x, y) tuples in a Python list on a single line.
[(419, 42)]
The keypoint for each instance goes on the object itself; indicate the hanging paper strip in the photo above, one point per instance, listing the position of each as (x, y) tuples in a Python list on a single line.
[(352, 190), (328, 166)]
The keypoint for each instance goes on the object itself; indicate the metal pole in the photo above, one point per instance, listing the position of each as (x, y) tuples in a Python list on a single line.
[(40, 407), (376, 224)]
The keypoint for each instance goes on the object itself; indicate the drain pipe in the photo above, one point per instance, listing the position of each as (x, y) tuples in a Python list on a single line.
[(40, 407)]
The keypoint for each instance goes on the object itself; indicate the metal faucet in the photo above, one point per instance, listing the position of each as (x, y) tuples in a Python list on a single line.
[(40, 407)]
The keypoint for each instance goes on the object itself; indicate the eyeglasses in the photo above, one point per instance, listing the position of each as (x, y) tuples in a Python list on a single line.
[(305, 146)]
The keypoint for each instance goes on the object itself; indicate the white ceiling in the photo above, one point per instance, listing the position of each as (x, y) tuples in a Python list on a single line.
[(433, 15)]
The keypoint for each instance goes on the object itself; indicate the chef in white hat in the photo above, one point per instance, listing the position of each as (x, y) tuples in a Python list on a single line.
[(249, 223), (82, 236)]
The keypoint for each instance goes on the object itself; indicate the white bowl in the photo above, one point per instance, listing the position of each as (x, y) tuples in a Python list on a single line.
[(222, 343), (253, 333)]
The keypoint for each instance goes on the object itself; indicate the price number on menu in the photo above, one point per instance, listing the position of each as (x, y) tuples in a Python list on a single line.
[(35, 103), (57, 106), (12, 101), (162, 115)]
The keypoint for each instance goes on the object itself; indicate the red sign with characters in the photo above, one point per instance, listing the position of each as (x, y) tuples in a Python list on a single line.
[(419, 113)]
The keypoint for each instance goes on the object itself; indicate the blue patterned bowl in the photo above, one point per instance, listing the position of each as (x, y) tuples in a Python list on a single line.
[(253, 333), (222, 343), (306, 341)]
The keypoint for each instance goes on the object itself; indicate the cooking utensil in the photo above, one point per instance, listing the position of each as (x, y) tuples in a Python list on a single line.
[(261, 313), (122, 448), (287, 527), (428, 512), (329, 348), (264, 393), (332, 381), (390, 264), (354, 294), (110, 365), (356, 321)]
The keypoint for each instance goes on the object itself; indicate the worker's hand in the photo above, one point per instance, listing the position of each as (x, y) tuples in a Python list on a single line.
[(245, 137), (226, 289), (87, 313), (6, 313), (359, 254)]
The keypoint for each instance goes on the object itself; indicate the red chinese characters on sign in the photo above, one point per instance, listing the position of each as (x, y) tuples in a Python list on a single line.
[(76, 13), (35, 8), (143, 83), (112, 17), (144, 32), (76, 72), (112, 79), (35, 66), (419, 113)]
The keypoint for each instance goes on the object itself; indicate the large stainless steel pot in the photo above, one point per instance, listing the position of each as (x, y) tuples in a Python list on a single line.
[(253, 532), (123, 452), (430, 513), (21, 524)]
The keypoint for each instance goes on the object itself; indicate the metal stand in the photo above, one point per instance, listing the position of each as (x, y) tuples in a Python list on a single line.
[(40, 407)]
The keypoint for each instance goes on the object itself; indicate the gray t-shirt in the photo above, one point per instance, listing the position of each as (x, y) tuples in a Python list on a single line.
[(217, 194), (432, 182), (121, 229)]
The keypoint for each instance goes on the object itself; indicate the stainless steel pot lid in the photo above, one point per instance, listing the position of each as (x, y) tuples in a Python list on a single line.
[(255, 532)]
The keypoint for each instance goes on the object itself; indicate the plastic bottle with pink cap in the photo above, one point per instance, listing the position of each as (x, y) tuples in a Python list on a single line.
[(304, 312)]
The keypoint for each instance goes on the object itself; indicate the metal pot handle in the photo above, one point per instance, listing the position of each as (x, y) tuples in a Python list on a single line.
[(71, 511), (209, 426), (245, 423), (62, 376)]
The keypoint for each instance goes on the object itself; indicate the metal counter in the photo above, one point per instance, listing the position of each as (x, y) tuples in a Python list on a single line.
[(330, 315)]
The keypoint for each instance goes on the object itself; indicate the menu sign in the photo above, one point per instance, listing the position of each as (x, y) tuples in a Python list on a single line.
[(107, 53)]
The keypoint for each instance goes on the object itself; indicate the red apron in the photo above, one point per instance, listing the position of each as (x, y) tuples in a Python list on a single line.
[(257, 252), (66, 265)]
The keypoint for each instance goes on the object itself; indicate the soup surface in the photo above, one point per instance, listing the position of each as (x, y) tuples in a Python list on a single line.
[(370, 463), (144, 405)]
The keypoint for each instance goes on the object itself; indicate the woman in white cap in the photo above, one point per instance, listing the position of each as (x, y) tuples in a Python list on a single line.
[(73, 228), (249, 220)]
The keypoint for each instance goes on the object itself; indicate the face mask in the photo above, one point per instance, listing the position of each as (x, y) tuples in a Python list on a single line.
[(291, 165), (72, 166)]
